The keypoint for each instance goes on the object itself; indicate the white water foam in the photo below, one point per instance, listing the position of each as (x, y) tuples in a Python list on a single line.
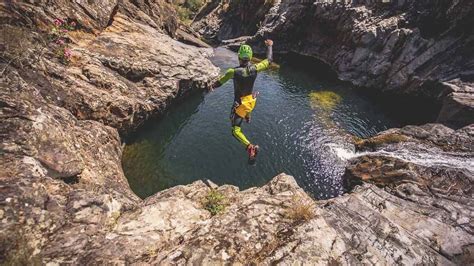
[(423, 157), (342, 152), (430, 159)]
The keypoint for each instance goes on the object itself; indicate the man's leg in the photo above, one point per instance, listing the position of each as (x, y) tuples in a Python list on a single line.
[(251, 149), (237, 133), (236, 129)]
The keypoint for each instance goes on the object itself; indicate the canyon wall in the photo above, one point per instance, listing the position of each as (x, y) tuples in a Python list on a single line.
[(60, 167), (64, 198)]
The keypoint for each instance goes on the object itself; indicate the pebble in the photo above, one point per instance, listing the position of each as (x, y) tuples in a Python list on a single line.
[(225, 256), (2, 213), (175, 255), (462, 220)]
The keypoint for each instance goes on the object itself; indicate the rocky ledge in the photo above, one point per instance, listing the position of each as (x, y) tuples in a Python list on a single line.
[(410, 48), (407, 222), (64, 198)]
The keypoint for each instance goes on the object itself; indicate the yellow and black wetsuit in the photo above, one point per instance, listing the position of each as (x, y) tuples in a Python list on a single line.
[(244, 101)]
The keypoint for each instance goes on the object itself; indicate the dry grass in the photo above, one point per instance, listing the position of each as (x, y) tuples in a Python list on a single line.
[(300, 210), (112, 221), (82, 38)]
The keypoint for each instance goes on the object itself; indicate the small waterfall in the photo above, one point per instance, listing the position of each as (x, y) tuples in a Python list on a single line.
[(343, 152), (433, 158), (428, 157)]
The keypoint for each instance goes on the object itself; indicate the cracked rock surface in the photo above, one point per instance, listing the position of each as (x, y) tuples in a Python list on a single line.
[(61, 181)]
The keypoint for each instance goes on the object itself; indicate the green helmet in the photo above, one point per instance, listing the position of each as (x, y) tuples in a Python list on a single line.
[(245, 52)]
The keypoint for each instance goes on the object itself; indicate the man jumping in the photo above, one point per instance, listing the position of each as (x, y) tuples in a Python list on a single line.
[(244, 99)]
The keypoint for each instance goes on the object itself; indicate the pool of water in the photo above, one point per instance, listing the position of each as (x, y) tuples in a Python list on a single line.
[(301, 122)]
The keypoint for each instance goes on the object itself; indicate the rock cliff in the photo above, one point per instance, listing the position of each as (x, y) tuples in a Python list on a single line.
[(421, 49), (64, 198), (61, 175)]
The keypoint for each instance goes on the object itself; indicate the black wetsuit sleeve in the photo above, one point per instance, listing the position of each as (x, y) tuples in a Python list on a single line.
[(265, 63), (270, 54)]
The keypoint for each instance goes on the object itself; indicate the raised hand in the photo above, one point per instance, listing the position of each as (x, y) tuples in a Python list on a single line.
[(268, 42)]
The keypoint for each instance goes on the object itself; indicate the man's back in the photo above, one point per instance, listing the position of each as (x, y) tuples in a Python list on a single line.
[(244, 80)]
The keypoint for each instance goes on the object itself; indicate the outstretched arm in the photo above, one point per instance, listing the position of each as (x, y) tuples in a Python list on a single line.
[(266, 63), (229, 74)]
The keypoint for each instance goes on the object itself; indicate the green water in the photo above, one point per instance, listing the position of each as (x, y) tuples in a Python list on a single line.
[(302, 124)]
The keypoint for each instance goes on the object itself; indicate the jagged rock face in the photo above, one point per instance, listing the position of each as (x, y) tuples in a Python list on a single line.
[(92, 16), (142, 70), (121, 76), (64, 198), (61, 178), (226, 19), (398, 224), (414, 48), (429, 169)]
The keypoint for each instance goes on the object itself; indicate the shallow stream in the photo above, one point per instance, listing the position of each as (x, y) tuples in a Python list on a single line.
[(302, 123)]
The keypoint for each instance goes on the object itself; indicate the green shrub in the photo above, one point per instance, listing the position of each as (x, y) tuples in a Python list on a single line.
[(183, 13), (194, 5), (188, 10), (214, 202)]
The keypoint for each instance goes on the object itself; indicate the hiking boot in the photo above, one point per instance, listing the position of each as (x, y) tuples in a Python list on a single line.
[(252, 151)]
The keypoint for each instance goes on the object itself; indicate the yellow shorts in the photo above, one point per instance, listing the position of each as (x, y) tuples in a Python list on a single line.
[(247, 103)]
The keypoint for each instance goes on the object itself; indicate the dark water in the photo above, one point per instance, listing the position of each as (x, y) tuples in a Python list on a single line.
[(301, 123)]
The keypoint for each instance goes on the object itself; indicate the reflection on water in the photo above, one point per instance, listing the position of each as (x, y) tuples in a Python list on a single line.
[(301, 124)]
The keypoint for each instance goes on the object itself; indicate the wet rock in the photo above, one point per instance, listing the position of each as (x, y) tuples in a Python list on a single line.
[(435, 160), (457, 109), (418, 153)]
